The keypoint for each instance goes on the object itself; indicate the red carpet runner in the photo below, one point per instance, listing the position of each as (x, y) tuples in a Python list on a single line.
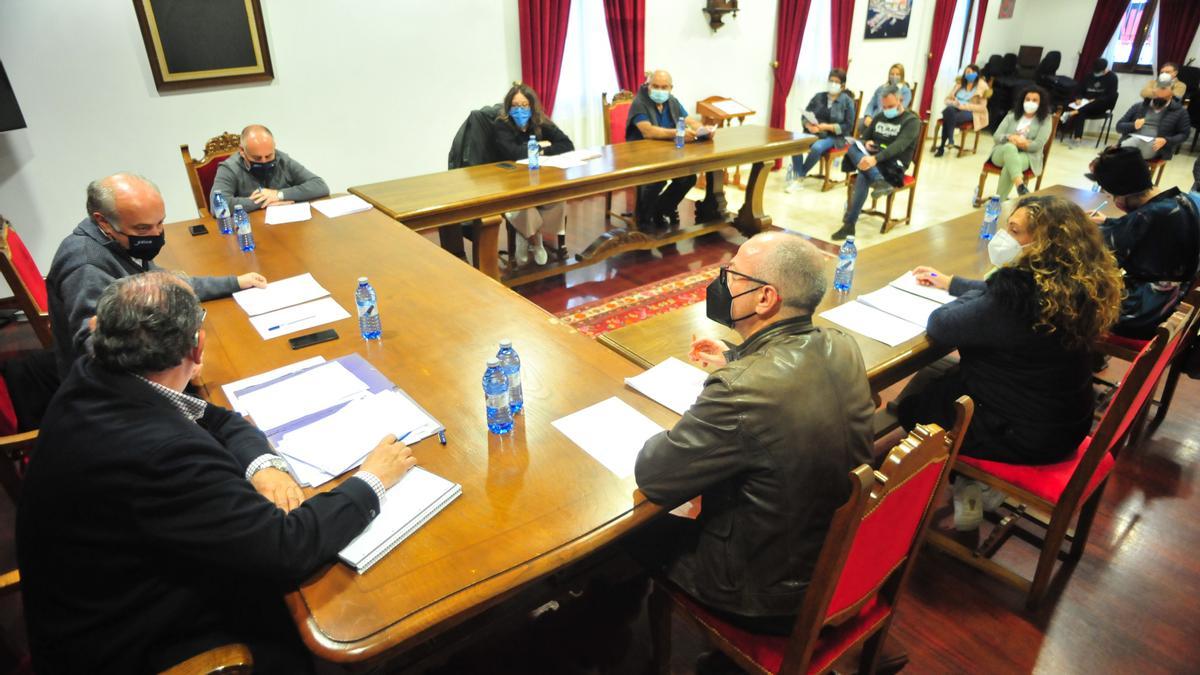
[(625, 309)]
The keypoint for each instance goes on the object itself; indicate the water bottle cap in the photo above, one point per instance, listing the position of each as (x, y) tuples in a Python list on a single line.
[(362, 280), (850, 239), (493, 362), (505, 343), (238, 207)]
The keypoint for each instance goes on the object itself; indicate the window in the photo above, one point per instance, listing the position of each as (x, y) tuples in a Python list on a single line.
[(1132, 48)]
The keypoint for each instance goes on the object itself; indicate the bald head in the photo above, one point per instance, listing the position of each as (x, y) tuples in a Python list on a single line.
[(661, 79), (124, 201), (789, 263), (258, 143)]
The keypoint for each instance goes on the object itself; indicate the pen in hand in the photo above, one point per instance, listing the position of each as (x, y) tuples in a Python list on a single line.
[(1096, 211)]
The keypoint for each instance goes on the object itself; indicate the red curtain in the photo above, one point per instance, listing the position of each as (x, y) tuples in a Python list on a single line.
[(981, 14), (841, 15), (1177, 23), (543, 37), (943, 16), (626, 20), (789, 31), (1105, 20)]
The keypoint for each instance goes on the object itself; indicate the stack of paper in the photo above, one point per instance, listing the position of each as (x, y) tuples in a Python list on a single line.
[(231, 390), (342, 206), (672, 383), (732, 107), (303, 394), (289, 305), (278, 214), (611, 431), (893, 314), (409, 504)]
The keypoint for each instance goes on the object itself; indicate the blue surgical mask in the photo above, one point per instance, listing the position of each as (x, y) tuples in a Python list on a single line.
[(970, 77), (520, 115), (659, 96), (891, 113)]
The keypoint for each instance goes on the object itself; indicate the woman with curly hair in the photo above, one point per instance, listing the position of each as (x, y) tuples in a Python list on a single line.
[(1023, 339)]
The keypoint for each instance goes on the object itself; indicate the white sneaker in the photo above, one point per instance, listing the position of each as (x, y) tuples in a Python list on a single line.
[(794, 186), (968, 505), (522, 250), (991, 498), (539, 254)]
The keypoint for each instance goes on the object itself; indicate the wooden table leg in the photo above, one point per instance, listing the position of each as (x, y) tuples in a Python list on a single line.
[(485, 250), (751, 220), (713, 208)]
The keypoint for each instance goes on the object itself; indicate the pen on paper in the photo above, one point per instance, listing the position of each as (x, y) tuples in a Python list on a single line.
[(1096, 211), (288, 323), (401, 439)]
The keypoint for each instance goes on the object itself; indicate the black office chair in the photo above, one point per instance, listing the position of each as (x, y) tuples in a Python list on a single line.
[(1190, 75)]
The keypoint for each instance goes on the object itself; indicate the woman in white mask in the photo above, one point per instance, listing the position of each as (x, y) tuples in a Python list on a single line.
[(1023, 339), (830, 117), (1020, 139)]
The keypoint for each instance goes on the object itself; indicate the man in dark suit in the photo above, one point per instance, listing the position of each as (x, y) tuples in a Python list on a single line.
[(141, 543)]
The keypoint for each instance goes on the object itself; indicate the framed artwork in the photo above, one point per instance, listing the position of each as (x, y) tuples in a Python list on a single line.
[(1006, 8), (201, 43), (887, 19)]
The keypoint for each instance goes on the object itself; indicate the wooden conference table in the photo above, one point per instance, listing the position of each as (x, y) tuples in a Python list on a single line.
[(532, 501), (487, 191), (953, 247)]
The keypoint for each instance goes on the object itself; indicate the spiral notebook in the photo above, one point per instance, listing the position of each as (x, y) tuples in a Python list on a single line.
[(409, 504)]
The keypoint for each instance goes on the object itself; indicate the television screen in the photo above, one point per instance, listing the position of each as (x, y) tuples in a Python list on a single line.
[(10, 112)]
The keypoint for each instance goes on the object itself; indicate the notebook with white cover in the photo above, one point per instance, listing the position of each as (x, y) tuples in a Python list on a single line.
[(409, 504)]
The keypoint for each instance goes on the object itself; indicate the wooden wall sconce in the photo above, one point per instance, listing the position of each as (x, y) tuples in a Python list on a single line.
[(716, 11)]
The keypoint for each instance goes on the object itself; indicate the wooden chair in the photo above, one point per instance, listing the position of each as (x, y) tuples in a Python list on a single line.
[(1067, 488), (967, 128), (27, 283), (992, 169), (1156, 169), (202, 172), (910, 185), (827, 159), (231, 659), (860, 572), (616, 113)]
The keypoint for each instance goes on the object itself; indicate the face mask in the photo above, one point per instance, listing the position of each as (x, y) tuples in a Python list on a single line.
[(893, 79), (718, 299), (891, 113), (1099, 71), (659, 96), (1002, 249), (834, 88), (970, 77), (262, 170), (1031, 107), (520, 115), (1159, 103)]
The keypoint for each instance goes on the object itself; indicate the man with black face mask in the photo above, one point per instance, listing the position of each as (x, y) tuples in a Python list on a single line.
[(259, 176), (768, 444), (120, 237), (1156, 129)]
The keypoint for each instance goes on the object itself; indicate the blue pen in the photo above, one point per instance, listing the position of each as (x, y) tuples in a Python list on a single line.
[(288, 323), (442, 436), (404, 436)]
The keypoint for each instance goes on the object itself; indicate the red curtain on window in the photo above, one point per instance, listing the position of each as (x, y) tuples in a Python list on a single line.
[(626, 20), (980, 15), (543, 37), (789, 31), (1177, 23), (943, 16), (841, 15), (1105, 20)]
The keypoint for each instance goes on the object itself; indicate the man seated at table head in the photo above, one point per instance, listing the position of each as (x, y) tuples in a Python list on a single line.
[(1156, 242), (768, 445), (655, 114), (140, 541), (259, 175), (120, 236)]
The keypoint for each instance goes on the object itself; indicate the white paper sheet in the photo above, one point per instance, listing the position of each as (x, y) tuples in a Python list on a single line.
[(873, 323), (410, 503), (279, 214), (567, 160), (306, 474), (611, 431), (672, 383), (731, 107), (298, 317), (1143, 138), (907, 282), (911, 308), (280, 294), (342, 206), (232, 388), (1082, 102), (306, 393)]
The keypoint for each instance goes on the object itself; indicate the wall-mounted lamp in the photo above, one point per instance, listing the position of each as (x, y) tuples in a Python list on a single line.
[(716, 11)]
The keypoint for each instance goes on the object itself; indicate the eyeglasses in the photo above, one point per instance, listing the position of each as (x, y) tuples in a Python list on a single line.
[(196, 337), (725, 272)]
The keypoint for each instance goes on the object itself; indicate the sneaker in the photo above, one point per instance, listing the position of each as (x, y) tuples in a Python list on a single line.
[(795, 186), (522, 250), (881, 189), (968, 505), (940, 151), (1022, 190), (539, 254), (846, 231), (990, 497)]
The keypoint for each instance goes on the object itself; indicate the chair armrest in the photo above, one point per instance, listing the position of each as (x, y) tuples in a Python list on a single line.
[(1110, 349), (226, 659), (10, 582), (14, 446)]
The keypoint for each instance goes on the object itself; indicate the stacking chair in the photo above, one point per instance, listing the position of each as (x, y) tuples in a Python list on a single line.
[(202, 172), (827, 159), (910, 185), (27, 283), (860, 572), (1156, 169), (1067, 488), (992, 169), (616, 113)]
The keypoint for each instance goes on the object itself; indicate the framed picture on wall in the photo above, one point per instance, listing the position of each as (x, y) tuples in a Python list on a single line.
[(888, 18), (1006, 8), (201, 43)]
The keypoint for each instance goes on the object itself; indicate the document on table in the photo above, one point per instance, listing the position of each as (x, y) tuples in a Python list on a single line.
[(672, 383), (342, 206), (912, 308), (303, 394), (611, 431), (731, 107), (907, 282), (280, 294), (409, 504), (279, 214), (873, 323), (567, 160), (232, 388), (298, 317)]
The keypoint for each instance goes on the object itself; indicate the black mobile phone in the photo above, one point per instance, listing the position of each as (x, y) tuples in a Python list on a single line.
[(507, 165), (198, 230), (313, 339)]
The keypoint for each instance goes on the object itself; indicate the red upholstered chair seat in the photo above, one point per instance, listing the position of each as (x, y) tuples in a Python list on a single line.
[(28, 270), (1046, 481), (8, 414), (967, 126), (618, 115), (992, 168), (909, 180), (1132, 344), (207, 173)]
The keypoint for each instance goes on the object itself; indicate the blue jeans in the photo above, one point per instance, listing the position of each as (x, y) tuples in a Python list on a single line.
[(802, 165), (862, 184), (951, 118)]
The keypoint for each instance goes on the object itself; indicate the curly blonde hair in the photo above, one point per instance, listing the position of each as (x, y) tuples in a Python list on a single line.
[(1078, 281)]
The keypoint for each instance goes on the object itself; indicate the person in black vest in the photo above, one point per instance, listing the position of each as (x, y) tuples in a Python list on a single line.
[(1100, 90), (654, 115)]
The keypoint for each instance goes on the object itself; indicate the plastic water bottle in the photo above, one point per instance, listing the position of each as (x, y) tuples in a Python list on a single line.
[(220, 211), (510, 364), (244, 234), (790, 174), (991, 218), (843, 276), (1095, 186), (368, 310), (535, 153), (495, 398), (680, 132)]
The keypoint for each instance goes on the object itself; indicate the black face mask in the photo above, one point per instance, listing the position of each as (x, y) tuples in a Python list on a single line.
[(146, 246), (718, 298), (262, 170), (1160, 103)]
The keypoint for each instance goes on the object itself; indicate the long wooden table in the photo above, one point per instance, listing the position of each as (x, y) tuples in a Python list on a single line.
[(487, 191), (532, 501), (953, 247)]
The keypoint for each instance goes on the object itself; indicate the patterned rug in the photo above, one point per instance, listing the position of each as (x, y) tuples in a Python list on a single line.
[(625, 309)]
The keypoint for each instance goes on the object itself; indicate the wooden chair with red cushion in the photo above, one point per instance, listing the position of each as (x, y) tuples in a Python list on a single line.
[(992, 169), (910, 185), (616, 114), (1067, 488), (26, 281), (836, 153), (859, 575), (966, 128), (202, 172)]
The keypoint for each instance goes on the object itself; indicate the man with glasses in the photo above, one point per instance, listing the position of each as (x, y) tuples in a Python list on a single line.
[(767, 445)]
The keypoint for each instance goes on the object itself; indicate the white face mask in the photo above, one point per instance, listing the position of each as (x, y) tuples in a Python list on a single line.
[(1031, 107), (1003, 249), (834, 88)]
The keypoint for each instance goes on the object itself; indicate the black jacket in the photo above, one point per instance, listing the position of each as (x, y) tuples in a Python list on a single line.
[(472, 143), (138, 534), (1175, 126), (512, 143), (644, 105), (1100, 88), (768, 445), (897, 142)]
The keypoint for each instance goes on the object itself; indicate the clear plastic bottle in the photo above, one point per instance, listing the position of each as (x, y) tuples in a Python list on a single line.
[(680, 133), (510, 363), (368, 310), (245, 235), (220, 211), (495, 398), (843, 276), (991, 219), (534, 151)]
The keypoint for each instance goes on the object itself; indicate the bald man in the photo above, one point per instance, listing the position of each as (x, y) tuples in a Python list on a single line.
[(653, 115), (259, 175), (120, 237)]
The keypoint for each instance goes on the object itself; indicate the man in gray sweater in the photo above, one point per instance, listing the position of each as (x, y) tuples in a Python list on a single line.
[(119, 238), (259, 176)]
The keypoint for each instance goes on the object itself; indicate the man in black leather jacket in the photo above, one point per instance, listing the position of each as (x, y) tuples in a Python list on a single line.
[(768, 444)]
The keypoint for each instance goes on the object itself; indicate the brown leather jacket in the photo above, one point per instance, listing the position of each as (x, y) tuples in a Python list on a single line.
[(768, 445)]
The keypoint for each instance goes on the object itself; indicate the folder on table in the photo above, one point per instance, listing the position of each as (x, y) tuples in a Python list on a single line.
[(409, 504)]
